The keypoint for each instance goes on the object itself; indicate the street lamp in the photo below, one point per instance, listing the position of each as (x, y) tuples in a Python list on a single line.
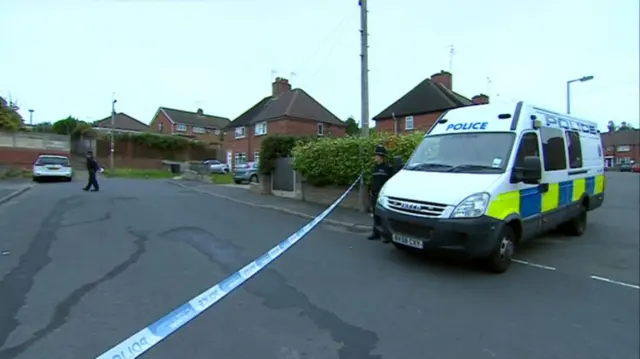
[(113, 115), (582, 79), (31, 117)]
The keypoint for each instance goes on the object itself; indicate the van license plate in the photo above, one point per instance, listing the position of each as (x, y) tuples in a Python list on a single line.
[(415, 243)]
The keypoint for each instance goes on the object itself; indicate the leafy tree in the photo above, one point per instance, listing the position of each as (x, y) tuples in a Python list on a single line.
[(10, 119), (352, 127), (65, 126)]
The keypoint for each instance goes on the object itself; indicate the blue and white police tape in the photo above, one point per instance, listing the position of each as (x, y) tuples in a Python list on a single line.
[(143, 340)]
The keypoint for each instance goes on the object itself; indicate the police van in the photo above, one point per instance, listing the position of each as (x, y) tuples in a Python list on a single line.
[(486, 178)]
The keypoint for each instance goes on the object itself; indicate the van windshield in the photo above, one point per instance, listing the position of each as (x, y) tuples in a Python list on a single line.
[(486, 152)]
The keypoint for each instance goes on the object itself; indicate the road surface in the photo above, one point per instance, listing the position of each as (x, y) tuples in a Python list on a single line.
[(80, 272)]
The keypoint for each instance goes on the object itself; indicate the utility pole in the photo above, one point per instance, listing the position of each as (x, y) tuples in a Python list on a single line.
[(451, 53), (31, 117), (113, 120), (364, 92)]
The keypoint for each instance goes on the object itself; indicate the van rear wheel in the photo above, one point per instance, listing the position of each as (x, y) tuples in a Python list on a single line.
[(500, 259)]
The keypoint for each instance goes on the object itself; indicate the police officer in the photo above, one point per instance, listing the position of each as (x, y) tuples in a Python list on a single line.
[(93, 167), (381, 174)]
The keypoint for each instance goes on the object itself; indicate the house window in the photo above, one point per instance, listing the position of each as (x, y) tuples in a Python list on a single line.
[(240, 158), (320, 129), (161, 127), (261, 129), (256, 157), (181, 127), (623, 148), (240, 132), (199, 130), (408, 123)]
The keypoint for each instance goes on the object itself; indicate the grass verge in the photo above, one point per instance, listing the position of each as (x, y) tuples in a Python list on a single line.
[(222, 178), (137, 173), (15, 173)]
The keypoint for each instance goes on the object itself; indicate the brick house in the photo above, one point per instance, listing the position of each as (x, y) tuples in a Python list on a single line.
[(122, 123), (285, 111), (621, 146), (419, 108), (196, 125)]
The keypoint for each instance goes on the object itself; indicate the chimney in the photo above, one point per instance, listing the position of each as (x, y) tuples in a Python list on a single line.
[(280, 86), (444, 78), (199, 112), (480, 99)]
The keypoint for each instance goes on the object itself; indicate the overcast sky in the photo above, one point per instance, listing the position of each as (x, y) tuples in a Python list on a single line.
[(67, 57)]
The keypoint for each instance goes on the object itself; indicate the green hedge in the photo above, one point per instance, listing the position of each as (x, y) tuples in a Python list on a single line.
[(339, 161)]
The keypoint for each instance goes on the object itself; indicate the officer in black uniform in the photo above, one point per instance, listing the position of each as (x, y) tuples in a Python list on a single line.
[(93, 167), (381, 174)]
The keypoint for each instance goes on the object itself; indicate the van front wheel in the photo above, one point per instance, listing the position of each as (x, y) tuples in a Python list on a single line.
[(577, 225), (500, 259)]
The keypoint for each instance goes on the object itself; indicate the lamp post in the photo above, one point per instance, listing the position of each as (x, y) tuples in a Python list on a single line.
[(582, 79), (113, 115), (31, 117)]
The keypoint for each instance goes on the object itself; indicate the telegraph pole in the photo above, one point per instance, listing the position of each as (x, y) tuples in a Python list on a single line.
[(364, 92), (113, 120)]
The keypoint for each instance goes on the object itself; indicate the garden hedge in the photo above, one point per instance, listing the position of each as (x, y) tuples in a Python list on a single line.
[(339, 161)]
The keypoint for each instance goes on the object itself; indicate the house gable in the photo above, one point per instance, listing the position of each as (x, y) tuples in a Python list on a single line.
[(122, 121)]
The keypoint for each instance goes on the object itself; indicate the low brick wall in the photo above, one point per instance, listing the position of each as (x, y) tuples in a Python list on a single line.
[(25, 157), (326, 195), (137, 163)]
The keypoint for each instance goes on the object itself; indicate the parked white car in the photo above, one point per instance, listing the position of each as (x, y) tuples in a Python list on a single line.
[(52, 167), (216, 166)]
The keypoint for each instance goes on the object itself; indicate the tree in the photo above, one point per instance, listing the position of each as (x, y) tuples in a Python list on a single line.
[(10, 119), (352, 127), (66, 126)]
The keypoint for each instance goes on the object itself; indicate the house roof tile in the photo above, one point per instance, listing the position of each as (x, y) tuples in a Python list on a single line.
[(295, 103), (621, 137), (194, 119), (122, 121), (427, 97)]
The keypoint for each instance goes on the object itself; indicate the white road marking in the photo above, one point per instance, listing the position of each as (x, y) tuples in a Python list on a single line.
[(533, 264), (602, 279)]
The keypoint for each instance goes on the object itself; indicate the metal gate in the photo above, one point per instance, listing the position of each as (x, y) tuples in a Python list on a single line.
[(284, 175)]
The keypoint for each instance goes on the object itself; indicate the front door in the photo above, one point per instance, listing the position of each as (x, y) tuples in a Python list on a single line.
[(531, 196)]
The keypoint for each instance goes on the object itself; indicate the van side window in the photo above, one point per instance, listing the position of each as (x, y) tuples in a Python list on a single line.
[(574, 148), (553, 150), (528, 147)]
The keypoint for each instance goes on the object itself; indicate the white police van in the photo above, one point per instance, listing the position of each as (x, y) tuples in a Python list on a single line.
[(485, 178)]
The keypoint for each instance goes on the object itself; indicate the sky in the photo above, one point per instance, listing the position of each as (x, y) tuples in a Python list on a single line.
[(69, 57)]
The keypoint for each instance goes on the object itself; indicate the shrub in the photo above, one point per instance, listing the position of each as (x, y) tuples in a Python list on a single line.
[(277, 146), (339, 161)]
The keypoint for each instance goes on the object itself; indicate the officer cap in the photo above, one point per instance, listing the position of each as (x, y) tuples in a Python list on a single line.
[(381, 151)]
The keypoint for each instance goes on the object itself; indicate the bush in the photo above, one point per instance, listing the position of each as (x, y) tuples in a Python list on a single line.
[(274, 147), (339, 161)]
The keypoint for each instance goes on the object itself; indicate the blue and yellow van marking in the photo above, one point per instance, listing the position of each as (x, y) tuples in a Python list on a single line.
[(529, 202)]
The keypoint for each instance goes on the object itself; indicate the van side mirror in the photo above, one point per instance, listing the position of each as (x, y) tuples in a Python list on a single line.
[(397, 163), (530, 172)]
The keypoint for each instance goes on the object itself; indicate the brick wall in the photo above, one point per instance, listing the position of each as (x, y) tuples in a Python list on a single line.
[(289, 126), (25, 157), (420, 123), (326, 195)]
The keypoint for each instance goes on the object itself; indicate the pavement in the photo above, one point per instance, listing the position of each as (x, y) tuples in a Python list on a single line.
[(348, 219), (79, 272)]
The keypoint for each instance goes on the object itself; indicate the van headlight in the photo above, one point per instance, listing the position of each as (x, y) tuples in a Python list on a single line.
[(472, 206), (383, 200)]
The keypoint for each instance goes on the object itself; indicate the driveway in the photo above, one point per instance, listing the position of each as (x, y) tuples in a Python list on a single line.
[(80, 272)]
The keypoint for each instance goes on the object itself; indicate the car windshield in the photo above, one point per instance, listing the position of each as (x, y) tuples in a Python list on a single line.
[(486, 152), (49, 161)]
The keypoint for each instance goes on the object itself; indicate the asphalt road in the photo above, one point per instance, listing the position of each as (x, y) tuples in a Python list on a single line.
[(79, 272)]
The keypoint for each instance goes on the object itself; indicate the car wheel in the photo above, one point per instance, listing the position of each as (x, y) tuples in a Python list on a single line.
[(576, 226), (500, 259), (237, 182), (36, 179), (253, 179)]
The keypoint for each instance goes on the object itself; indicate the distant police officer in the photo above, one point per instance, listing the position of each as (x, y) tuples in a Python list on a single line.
[(93, 167), (381, 174)]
